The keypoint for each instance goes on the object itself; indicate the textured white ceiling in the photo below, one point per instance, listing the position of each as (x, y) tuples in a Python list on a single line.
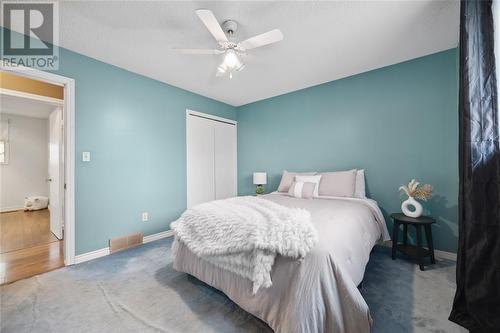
[(21, 106), (323, 41)]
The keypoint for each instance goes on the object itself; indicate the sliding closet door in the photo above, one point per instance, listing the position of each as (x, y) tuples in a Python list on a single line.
[(211, 158), (225, 160), (200, 160)]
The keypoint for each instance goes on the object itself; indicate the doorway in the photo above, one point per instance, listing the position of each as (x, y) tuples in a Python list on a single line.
[(32, 165)]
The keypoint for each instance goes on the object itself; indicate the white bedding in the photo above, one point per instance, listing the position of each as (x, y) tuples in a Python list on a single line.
[(351, 241), (245, 234), (318, 293)]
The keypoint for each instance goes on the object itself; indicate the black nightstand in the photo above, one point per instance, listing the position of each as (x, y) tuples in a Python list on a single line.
[(418, 251)]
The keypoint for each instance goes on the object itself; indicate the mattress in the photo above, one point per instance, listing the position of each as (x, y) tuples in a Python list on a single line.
[(318, 293)]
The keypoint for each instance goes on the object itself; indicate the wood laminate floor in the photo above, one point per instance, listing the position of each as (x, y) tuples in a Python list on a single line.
[(27, 247), (22, 230)]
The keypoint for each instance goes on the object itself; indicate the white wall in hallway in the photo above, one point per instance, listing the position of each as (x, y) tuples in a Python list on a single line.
[(27, 168)]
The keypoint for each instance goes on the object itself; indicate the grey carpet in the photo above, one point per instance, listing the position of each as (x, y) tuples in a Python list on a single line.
[(138, 290)]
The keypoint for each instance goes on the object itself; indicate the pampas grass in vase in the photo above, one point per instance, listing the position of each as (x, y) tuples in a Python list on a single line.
[(414, 191)]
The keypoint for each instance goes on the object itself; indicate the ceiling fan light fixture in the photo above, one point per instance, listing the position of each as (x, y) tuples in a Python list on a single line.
[(221, 70), (231, 62), (231, 51)]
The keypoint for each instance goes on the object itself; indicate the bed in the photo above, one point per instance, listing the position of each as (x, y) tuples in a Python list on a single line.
[(318, 293)]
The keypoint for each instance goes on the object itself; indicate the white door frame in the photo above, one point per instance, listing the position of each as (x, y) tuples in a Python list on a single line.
[(210, 116), (69, 149)]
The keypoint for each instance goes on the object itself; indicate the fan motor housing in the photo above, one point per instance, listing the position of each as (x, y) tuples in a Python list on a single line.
[(230, 27)]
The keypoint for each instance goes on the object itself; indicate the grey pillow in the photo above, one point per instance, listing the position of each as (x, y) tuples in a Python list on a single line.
[(288, 177), (338, 184), (304, 190)]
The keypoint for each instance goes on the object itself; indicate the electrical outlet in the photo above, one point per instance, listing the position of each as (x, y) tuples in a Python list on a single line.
[(145, 216)]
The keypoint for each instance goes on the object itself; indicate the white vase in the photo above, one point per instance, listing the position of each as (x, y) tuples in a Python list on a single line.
[(416, 205)]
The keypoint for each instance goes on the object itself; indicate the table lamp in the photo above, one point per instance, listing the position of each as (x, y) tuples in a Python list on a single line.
[(259, 179)]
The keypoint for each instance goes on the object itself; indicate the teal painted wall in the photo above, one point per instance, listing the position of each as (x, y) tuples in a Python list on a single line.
[(398, 122), (135, 129)]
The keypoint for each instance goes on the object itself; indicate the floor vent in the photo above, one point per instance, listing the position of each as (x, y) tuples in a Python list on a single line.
[(125, 242)]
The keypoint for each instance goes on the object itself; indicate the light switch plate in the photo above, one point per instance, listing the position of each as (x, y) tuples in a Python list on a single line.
[(86, 156), (145, 217)]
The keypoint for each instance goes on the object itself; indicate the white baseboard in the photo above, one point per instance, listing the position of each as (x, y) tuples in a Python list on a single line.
[(438, 253), (11, 209), (445, 255), (160, 235), (105, 251), (91, 255)]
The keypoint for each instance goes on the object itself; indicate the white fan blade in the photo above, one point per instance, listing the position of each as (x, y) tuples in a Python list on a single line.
[(198, 51), (208, 18), (266, 38)]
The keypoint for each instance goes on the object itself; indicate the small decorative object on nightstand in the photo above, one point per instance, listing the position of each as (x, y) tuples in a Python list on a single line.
[(418, 250), (259, 179), (414, 191)]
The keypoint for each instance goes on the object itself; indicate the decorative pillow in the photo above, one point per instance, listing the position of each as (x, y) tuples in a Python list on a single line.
[(288, 177), (310, 179), (359, 191), (338, 184), (302, 190)]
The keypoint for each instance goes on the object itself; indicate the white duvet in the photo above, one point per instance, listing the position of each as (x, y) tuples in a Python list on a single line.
[(318, 293)]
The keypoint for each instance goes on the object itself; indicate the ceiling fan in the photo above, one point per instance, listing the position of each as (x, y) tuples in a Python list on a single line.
[(231, 52)]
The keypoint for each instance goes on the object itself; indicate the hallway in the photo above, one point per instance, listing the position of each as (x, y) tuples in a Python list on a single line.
[(27, 247)]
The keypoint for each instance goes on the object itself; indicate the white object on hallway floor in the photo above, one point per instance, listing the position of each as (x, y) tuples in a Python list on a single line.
[(36, 203)]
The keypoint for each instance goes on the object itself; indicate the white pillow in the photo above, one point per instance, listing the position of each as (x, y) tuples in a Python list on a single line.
[(288, 177), (360, 191), (310, 179), (302, 190)]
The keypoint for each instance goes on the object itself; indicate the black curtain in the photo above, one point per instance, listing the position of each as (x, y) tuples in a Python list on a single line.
[(477, 299)]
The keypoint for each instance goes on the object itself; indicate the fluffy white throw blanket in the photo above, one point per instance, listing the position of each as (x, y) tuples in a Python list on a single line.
[(244, 234)]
